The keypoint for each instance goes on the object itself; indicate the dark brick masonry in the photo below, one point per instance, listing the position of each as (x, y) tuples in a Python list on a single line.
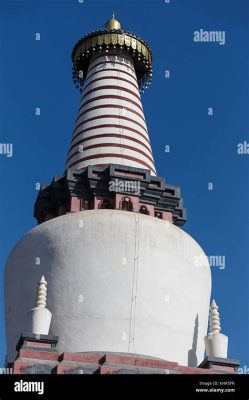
[(37, 355), (106, 187)]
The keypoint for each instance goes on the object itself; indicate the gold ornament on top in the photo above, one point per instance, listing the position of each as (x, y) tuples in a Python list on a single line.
[(113, 23), (113, 38)]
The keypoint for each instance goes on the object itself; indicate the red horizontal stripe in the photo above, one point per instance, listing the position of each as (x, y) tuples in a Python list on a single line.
[(125, 146), (111, 69), (121, 88), (110, 126), (110, 62), (111, 96), (108, 155), (119, 136), (109, 116), (109, 106), (111, 77)]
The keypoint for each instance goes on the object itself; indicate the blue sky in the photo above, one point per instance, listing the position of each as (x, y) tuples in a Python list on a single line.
[(203, 148)]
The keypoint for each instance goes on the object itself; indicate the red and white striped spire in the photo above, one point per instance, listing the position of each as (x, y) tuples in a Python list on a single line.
[(110, 126)]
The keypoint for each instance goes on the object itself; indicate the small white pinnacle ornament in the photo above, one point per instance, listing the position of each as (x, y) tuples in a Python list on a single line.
[(39, 318), (214, 318), (42, 293), (215, 342)]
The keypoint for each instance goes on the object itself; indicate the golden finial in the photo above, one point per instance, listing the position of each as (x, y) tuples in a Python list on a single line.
[(113, 23)]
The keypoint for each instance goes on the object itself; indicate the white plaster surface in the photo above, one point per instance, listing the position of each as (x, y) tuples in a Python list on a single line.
[(216, 345), (39, 321), (117, 281)]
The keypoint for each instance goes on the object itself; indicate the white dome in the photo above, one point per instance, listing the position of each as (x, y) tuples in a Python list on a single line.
[(117, 281)]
